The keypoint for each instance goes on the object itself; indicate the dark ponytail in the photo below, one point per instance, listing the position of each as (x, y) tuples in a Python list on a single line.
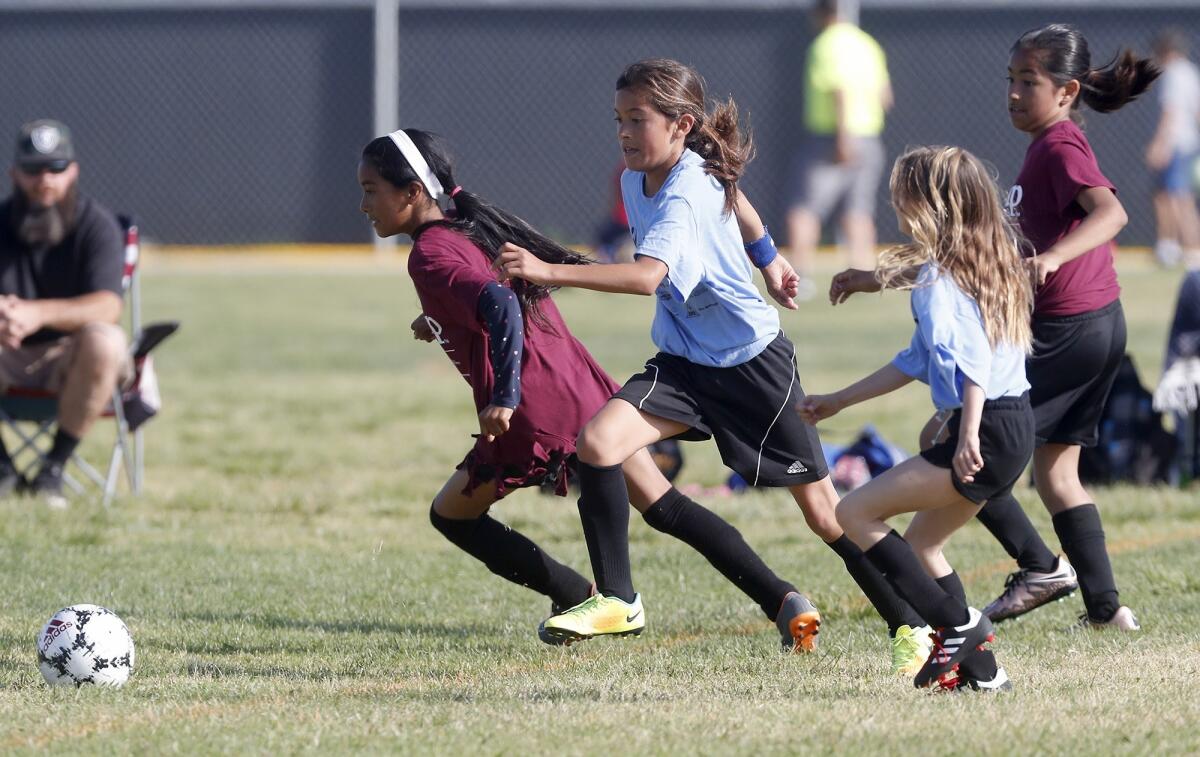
[(486, 225), (1108, 88), (676, 89), (1064, 54)]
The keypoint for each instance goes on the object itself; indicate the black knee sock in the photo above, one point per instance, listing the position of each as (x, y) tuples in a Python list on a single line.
[(722, 545), (894, 610), (1082, 538), (895, 559), (952, 585), (512, 556), (64, 445), (1007, 521), (604, 512)]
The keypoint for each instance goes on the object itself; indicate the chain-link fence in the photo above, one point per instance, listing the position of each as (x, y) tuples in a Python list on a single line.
[(227, 126), (213, 127)]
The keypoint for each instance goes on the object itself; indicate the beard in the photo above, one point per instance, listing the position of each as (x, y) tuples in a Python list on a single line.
[(40, 226)]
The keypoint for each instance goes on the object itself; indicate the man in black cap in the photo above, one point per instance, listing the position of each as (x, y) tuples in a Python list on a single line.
[(61, 263)]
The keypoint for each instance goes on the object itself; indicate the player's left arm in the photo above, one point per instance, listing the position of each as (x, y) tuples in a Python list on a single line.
[(968, 460), (782, 282), (500, 312), (1106, 217)]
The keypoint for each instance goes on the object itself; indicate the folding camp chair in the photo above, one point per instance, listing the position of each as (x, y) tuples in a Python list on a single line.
[(129, 408)]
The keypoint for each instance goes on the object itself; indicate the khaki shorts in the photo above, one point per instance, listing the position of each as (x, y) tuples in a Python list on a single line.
[(45, 366)]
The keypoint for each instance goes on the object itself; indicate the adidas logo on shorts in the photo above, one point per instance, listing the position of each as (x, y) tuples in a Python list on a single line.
[(797, 467)]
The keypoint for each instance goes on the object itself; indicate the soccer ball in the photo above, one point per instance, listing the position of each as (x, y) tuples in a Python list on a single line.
[(85, 644)]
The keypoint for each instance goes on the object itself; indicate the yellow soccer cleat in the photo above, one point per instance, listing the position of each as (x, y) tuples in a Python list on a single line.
[(910, 649), (597, 615)]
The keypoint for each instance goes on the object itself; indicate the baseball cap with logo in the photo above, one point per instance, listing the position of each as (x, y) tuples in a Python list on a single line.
[(45, 143)]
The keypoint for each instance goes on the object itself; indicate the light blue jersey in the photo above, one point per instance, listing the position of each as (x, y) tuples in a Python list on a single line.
[(709, 310), (950, 345)]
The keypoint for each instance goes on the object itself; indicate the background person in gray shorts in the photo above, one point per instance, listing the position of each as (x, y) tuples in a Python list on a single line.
[(847, 90)]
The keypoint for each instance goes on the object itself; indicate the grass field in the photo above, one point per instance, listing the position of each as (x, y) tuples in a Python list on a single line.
[(287, 593)]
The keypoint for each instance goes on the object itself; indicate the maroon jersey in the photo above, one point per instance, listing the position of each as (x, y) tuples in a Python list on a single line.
[(562, 387), (1058, 166)]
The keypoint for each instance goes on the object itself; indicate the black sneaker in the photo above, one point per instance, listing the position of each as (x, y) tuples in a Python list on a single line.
[(952, 645), (47, 486)]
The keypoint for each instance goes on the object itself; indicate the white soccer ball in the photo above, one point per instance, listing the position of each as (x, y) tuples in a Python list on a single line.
[(85, 644)]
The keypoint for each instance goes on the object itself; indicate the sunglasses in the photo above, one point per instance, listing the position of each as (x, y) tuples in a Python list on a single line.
[(54, 166)]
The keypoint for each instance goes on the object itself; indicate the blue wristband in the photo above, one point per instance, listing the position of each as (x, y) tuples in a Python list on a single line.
[(762, 250)]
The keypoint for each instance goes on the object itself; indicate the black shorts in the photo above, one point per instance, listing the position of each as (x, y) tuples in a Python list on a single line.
[(750, 409), (1074, 363), (1005, 443)]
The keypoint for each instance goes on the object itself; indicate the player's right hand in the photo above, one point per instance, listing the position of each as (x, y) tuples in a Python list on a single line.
[(851, 281), (421, 330)]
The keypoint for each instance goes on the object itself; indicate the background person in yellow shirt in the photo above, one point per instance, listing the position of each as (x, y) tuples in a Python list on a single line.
[(847, 90)]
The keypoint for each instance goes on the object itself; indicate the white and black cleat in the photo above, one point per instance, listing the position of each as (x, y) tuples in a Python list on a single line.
[(1000, 682), (952, 645)]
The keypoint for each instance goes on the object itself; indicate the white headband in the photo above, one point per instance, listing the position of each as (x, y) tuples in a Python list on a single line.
[(418, 163)]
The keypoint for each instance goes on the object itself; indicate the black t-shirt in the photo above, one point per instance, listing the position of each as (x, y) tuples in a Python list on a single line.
[(90, 259)]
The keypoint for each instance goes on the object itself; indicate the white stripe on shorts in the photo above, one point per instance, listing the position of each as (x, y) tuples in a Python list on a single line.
[(652, 384), (763, 443)]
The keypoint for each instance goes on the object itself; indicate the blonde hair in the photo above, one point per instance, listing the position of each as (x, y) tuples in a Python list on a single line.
[(950, 207), (675, 89)]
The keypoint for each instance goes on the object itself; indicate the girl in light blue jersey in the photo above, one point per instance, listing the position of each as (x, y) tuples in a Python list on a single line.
[(971, 300), (724, 369)]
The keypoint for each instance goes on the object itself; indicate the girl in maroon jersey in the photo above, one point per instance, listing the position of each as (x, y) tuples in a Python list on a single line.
[(534, 384), (1069, 212)]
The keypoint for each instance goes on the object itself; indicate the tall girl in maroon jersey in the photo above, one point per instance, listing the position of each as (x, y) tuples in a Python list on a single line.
[(1069, 212), (534, 384)]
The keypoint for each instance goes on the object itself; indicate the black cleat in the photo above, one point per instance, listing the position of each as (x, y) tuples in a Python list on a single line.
[(951, 646)]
